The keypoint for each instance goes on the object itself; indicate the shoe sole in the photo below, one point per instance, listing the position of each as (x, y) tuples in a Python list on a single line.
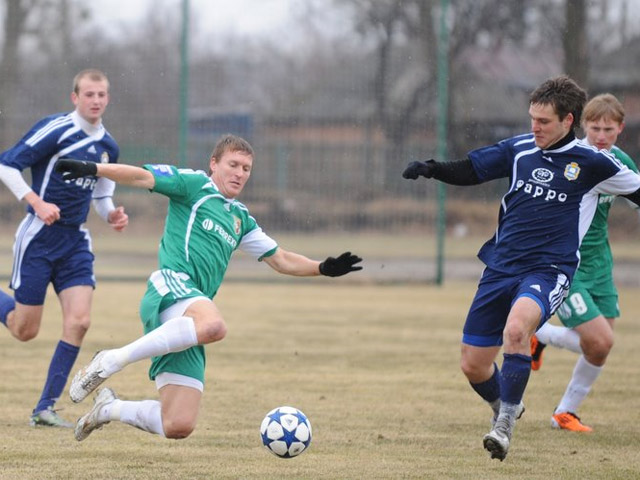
[(494, 448), (50, 425)]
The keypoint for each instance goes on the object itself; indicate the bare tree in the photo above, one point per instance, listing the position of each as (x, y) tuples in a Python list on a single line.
[(406, 38), (38, 45), (14, 22), (576, 54)]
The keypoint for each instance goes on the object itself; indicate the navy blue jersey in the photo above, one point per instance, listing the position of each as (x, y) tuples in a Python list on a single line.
[(552, 197), (65, 135)]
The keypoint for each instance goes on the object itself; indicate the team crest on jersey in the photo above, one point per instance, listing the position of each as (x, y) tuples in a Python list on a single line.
[(237, 225), (571, 171), (104, 158)]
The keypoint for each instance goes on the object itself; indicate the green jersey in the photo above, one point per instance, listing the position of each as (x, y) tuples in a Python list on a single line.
[(592, 291), (203, 228), (595, 253)]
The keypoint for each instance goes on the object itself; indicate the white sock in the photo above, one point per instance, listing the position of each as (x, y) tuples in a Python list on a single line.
[(584, 375), (106, 413), (145, 415), (174, 335), (560, 337)]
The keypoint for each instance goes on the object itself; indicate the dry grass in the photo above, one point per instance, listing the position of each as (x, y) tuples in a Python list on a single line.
[(374, 367)]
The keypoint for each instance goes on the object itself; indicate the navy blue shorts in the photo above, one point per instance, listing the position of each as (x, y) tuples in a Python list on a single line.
[(497, 292), (55, 254)]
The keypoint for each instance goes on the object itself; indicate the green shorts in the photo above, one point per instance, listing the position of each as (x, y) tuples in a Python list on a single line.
[(584, 304), (161, 294)]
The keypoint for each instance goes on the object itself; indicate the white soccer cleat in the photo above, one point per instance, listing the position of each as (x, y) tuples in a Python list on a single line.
[(88, 378), (497, 441), (90, 421)]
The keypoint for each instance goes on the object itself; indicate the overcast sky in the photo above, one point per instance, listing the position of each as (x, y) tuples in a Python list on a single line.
[(229, 16)]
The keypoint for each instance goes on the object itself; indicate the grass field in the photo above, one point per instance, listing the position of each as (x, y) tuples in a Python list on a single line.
[(375, 367)]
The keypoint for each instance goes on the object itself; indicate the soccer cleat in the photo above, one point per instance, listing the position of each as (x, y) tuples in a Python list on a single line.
[(90, 421), (497, 441), (569, 421), (519, 413), (87, 379), (49, 418), (537, 349)]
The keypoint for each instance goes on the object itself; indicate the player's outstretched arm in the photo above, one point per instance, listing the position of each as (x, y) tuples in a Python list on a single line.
[(119, 173), (459, 172), (290, 263)]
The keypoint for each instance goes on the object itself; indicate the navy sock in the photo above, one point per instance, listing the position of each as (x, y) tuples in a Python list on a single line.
[(61, 363), (7, 303), (490, 389), (514, 376)]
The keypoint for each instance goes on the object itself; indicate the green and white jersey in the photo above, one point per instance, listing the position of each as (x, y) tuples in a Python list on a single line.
[(203, 228), (595, 252)]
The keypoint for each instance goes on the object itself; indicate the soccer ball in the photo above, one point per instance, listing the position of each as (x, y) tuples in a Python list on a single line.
[(286, 432)]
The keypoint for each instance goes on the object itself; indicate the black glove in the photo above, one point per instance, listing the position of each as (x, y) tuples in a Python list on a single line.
[(416, 169), (336, 267), (72, 169)]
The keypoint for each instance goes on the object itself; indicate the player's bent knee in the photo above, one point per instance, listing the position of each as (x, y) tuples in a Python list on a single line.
[(604, 345), (472, 370), (213, 332), (80, 327), (477, 363), (598, 348), (514, 335), (178, 429), (24, 334)]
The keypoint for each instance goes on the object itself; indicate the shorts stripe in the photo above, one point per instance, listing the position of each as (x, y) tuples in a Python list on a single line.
[(167, 281), (559, 293), (87, 236), (157, 280), (175, 283), (28, 229)]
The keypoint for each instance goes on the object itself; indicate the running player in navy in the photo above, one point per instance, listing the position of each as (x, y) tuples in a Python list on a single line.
[(51, 244), (554, 184)]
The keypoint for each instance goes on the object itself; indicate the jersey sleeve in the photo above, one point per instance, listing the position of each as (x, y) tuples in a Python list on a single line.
[(492, 162), (257, 243), (104, 188), (168, 181), (622, 182), (41, 142), (624, 158)]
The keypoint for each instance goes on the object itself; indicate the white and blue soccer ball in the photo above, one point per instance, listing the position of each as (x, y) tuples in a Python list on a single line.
[(286, 432)]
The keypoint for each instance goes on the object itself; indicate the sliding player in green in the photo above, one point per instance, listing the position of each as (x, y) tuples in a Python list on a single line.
[(204, 226)]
